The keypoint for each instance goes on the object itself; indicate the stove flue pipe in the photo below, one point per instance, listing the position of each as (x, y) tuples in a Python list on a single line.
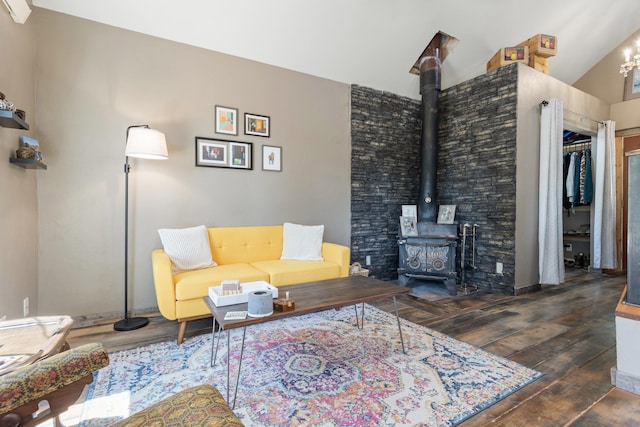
[(430, 90)]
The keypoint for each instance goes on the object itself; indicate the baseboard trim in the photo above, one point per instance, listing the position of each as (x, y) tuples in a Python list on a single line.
[(624, 381), (88, 320), (527, 290)]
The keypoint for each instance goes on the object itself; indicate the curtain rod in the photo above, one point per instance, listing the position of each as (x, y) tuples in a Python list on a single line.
[(545, 103)]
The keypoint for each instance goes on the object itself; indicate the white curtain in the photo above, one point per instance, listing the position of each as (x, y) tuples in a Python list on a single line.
[(550, 249), (603, 230)]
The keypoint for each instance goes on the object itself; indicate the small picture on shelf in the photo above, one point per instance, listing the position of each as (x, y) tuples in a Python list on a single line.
[(408, 226), (446, 214)]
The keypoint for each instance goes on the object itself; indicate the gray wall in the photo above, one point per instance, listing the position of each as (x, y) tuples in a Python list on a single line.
[(18, 186), (93, 81), (477, 170), (385, 165)]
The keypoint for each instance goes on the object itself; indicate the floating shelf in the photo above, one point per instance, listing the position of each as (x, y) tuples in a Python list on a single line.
[(9, 119), (27, 163)]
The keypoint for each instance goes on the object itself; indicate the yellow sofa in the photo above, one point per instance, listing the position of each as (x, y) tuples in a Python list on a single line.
[(244, 253)]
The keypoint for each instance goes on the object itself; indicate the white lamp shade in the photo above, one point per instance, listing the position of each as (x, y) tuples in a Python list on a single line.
[(146, 143)]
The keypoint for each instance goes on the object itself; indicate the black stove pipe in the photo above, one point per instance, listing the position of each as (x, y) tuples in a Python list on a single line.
[(430, 91)]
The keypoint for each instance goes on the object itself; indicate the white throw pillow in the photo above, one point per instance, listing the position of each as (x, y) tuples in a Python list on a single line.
[(188, 248), (302, 242)]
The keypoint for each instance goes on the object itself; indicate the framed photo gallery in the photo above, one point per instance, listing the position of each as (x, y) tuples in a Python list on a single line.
[(223, 153), (220, 153)]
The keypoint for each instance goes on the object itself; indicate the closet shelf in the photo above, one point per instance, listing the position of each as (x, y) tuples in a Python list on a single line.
[(576, 237)]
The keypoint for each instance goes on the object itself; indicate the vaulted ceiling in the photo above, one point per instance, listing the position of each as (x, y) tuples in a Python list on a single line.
[(374, 43)]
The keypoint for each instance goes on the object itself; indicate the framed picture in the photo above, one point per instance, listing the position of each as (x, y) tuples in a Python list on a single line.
[(226, 120), (408, 226), (410, 210), (271, 158), (240, 155), (446, 214), (256, 125), (220, 153), (632, 85)]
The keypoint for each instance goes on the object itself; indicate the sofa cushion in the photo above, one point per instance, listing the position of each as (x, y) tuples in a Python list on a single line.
[(289, 272), (233, 245), (302, 242), (196, 283), (188, 248)]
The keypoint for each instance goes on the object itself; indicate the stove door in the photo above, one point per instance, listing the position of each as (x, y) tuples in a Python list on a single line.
[(428, 256)]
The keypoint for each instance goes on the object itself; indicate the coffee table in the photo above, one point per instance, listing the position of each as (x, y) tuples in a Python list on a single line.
[(309, 298)]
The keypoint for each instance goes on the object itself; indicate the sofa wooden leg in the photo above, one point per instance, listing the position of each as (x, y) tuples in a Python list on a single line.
[(182, 331)]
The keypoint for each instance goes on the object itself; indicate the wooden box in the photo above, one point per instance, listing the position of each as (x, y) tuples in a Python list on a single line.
[(508, 55), (284, 304), (542, 45), (539, 63)]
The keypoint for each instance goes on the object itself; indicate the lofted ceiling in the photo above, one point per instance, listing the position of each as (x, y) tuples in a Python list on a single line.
[(374, 43)]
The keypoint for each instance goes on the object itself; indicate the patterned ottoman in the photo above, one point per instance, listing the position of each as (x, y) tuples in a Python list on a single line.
[(202, 405)]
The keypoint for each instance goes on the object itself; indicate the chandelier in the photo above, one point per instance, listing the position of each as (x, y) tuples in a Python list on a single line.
[(629, 62)]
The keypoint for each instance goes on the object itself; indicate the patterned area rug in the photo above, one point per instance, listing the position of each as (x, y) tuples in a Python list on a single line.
[(318, 370)]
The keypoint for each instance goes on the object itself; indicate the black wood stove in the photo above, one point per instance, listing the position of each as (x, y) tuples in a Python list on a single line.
[(431, 255)]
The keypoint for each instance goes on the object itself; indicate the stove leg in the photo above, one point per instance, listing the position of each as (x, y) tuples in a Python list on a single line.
[(450, 283), (403, 280)]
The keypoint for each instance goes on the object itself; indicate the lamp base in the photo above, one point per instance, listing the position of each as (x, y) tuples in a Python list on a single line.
[(130, 323)]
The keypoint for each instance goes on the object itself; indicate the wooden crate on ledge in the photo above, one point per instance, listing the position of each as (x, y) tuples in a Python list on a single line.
[(539, 63), (508, 55), (541, 45)]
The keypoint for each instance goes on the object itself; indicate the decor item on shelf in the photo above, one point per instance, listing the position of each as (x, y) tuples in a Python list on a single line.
[(256, 125), (5, 104), (226, 120), (221, 153), (446, 214), (29, 149), (145, 143), (26, 153)]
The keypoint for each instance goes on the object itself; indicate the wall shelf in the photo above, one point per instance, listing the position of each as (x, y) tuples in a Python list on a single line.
[(27, 163), (9, 119)]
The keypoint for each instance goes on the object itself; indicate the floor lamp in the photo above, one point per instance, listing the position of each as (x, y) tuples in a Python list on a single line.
[(145, 143)]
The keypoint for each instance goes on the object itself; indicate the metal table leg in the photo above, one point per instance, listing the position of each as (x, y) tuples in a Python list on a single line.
[(359, 322), (395, 303)]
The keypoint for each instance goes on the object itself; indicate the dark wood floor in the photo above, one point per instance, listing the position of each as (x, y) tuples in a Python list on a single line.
[(567, 332)]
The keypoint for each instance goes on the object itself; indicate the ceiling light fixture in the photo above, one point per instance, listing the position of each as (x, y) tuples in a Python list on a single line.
[(629, 62)]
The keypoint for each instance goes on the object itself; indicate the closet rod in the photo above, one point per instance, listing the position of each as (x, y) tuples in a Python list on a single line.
[(545, 103)]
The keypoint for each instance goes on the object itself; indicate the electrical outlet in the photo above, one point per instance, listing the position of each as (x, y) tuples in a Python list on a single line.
[(499, 267), (25, 306), (368, 260), (568, 247)]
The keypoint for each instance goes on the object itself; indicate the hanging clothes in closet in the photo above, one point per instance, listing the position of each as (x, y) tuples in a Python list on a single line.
[(577, 177)]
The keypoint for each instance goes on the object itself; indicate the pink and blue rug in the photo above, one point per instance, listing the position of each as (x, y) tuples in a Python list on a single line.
[(318, 370)]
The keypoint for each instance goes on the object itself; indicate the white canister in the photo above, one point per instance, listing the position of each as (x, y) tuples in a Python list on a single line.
[(260, 304)]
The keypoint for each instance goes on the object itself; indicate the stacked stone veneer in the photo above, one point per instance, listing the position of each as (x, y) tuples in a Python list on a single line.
[(476, 171)]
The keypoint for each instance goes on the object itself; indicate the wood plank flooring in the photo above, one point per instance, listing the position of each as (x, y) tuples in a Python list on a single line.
[(567, 332)]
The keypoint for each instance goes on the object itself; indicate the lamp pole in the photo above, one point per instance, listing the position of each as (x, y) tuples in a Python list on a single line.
[(128, 323)]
